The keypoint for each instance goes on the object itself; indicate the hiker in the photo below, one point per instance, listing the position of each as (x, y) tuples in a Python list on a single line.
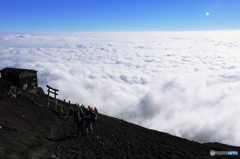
[(83, 107), (88, 127), (63, 115), (60, 113), (80, 120), (96, 111), (90, 117), (69, 116)]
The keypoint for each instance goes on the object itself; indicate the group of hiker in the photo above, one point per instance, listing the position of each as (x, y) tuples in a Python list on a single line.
[(83, 116)]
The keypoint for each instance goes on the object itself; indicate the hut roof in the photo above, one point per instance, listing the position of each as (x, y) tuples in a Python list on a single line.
[(16, 70)]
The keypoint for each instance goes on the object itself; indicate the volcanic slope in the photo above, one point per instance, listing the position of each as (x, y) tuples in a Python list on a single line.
[(29, 130)]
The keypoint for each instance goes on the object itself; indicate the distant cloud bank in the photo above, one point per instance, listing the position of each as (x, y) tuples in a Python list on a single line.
[(183, 83)]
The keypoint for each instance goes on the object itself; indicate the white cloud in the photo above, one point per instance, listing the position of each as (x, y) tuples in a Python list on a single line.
[(183, 83)]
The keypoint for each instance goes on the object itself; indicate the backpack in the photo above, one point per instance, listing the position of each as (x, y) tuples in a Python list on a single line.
[(93, 115)]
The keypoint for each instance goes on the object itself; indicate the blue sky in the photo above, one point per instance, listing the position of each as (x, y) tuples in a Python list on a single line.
[(119, 15)]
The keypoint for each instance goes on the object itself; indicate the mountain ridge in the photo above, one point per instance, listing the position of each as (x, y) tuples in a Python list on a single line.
[(29, 130)]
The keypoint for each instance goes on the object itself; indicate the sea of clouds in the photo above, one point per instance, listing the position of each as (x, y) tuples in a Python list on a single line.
[(183, 83)]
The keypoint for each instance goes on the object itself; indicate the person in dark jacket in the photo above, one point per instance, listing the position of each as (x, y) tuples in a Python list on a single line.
[(88, 126), (80, 123), (96, 110)]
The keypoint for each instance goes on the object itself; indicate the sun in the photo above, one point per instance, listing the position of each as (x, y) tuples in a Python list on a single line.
[(207, 13)]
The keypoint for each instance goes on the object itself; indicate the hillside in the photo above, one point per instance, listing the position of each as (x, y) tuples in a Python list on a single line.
[(29, 130)]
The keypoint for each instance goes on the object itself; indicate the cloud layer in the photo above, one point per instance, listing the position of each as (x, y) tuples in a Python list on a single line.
[(183, 83)]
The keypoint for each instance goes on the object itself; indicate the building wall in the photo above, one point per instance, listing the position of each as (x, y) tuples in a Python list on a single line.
[(29, 82), (13, 78), (25, 80)]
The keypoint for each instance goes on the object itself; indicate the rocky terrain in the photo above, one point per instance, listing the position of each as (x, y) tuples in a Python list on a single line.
[(29, 130)]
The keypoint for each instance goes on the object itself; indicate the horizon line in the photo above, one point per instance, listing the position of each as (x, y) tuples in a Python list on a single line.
[(118, 31)]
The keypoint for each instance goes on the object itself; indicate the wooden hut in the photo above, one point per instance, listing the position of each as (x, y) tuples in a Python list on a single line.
[(23, 78)]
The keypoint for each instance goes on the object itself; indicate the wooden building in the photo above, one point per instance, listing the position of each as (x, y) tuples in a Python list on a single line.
[(23, 78)]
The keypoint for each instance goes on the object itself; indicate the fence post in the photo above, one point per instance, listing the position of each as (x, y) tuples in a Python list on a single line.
[(55, 100), (48, 98)]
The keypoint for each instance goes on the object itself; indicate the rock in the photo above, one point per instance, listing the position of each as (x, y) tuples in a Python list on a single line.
[(54, 156)]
